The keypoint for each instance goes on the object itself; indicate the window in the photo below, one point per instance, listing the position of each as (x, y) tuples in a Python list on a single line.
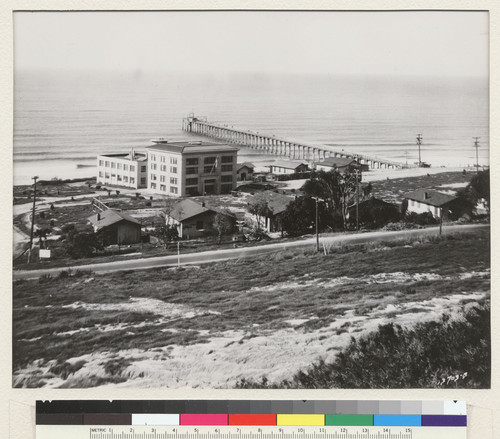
[(107, 164), (143, 169), (125, 179), (143, 180), (153, 166), (192, 191), (173, 190), (173, 160), (132, 168), (173, 180), (163, 168), (163, 187), (209, 160), (226, 179), (153, 177), (118, 165), (101, 162), (100, 174), (153, 185), (125, 167), (107, 175), (227, 159), (209, 169), (191, 182), (119, 177), (153, 157), (113, 165), (191, 171), (199, 225), (162, 178), (163, 159), (227, 168), (191, 162), (113, 175), (132, 180), (173, 169)]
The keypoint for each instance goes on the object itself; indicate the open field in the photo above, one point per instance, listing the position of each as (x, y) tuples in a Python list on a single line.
[(217, 324)]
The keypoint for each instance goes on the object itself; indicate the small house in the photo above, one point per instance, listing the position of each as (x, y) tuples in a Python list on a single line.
[(277, 204), (373, 213), (118, 227), (245, 171), (437, 203), (192, 218), (341, 164), (287, 167)]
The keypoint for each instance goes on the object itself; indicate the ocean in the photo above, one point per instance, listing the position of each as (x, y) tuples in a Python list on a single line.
[(63, 120)]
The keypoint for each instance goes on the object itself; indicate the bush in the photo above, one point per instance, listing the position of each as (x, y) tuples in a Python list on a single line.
[(422, 219), (425, 356)]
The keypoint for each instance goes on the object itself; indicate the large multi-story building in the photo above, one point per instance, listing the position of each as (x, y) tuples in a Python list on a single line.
[(128, 170), (182, 169)]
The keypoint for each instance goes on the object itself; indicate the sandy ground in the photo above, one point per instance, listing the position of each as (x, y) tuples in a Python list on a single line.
[(248, 352)]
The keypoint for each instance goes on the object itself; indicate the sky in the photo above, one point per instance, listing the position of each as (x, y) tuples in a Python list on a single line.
[(417, 43)]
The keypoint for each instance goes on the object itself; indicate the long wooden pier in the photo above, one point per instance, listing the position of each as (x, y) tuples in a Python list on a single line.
[(279, 146)]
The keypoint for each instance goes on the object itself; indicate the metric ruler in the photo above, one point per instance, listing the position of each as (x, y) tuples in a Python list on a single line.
[(245, 432)]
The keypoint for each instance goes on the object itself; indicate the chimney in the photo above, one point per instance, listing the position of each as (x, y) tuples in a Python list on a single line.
[(202, 204), (426, 195), (99, 217)]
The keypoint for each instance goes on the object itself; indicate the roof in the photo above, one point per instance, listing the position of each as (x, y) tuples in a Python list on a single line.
[(430, 197), (192, 147), (275, 201), (288, 164), (186, 209), (247, 164), (339, 162), (138, 156), (110, 217)]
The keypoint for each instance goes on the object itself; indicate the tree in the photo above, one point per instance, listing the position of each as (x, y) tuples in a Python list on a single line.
[(224, 223), (84, 244), (299, 217), (166, 233), (336, 189), (259, 207), (478, 189), (117, 192)]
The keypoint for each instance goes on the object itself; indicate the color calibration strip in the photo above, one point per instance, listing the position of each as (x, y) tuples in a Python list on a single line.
[(254, 413)]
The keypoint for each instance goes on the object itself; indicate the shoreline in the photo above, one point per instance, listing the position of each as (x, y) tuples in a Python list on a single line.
[(368, 176)]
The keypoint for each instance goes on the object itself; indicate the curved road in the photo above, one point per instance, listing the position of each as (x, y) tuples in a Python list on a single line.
[(236, 253)]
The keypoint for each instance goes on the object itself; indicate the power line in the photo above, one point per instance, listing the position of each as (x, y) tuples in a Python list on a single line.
[(476, 145), (419, 142)]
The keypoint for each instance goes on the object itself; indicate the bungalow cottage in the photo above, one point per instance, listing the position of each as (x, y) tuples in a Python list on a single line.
[(244, 171), (277, 204), (287, 167), (193, 219), (118, 227), (342, 164), (437, 203)]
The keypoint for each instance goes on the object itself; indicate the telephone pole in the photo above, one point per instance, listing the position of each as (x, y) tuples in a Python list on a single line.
[(32, 220), (476, 145), (419, 142)]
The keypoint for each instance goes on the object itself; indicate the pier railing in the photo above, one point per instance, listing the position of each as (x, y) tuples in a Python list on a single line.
[(271, 144)]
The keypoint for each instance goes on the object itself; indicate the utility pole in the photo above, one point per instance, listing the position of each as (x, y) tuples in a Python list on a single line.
[(357, 199), (476, 145), (419, 142), (32, 220), (317, 228)]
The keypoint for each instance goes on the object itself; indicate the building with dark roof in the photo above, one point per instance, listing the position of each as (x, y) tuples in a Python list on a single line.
[(287, 167), (182, 169), (193, 219), (125, 169), (342, 164), (118, 227), (437, 203)]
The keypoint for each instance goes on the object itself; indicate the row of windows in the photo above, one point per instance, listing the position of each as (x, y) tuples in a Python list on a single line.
[(417, 204), (124, 179), (163, 168), (163, 188), (163, 159), (119, 166)]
